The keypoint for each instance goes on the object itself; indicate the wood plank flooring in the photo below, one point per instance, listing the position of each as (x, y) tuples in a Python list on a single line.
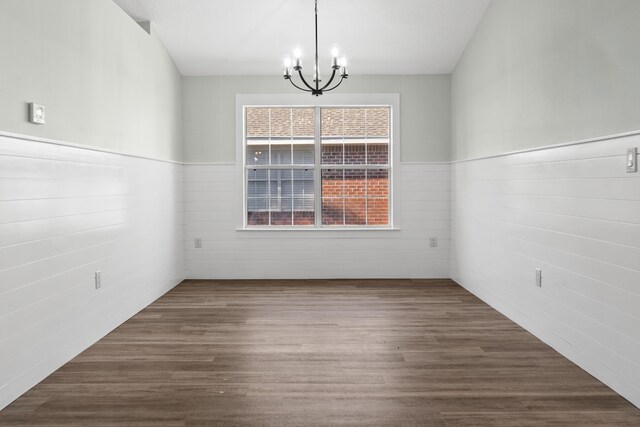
[(340, 352)]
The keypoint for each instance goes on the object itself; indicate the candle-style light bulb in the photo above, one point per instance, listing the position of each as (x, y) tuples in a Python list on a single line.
[(334, 58), (297, 54), (287, 67)]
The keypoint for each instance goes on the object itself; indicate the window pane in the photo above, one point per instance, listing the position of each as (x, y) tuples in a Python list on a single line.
[(355, 212), (354, 154), (378, 211), (355, 183), (257, 122), (257, 174), (377, 154), (281, 154), (303, 152), (258, 218), (303, 122), (332, 183), (281, 218), (285, 188), (332, 211), (257, 203), (331, 122), (378, 183), (354, 122), (332, 154), (257, 154), (303, 185), (378, 197), (286, 204), (280, 122), (257, 189), (303, 205), (273, 194), (378, 122), (274, 185), (304, 217)]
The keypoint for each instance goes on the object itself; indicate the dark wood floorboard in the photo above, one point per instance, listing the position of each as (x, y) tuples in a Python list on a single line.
[(340, 352)]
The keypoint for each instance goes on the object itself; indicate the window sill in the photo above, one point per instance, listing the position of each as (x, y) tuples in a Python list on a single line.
[(320, 229)]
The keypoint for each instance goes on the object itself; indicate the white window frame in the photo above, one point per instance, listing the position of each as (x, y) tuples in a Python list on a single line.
[(332, 100)]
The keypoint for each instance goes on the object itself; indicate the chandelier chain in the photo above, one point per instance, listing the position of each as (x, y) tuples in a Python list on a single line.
[(315, 87)]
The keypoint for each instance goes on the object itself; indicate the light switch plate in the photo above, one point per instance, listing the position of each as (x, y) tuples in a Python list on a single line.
[(632, 160), (36, 113)]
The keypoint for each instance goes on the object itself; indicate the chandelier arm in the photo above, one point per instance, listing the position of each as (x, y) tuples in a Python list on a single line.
[(301, 88), (303, 80), (341, 79), (333, 74)]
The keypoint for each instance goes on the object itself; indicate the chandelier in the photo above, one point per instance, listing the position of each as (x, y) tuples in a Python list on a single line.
[(315, 88)]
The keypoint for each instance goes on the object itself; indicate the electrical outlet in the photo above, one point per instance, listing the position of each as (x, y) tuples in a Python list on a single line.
[(98, 279), (433, 242), (538, 277), (197, 243), (632, 160)]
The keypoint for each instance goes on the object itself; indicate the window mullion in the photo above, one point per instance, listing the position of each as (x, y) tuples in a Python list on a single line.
[(317, 170)]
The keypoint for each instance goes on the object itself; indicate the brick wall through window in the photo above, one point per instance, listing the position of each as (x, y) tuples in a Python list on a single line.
[(354, 166)]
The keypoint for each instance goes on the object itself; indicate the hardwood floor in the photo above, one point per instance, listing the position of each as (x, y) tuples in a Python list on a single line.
[(349, 352)]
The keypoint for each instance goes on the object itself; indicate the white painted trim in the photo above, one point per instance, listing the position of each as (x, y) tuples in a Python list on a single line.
[(551, 146), (209, 163), (323, 229), (425, 163), (470, 159), (82, 147)]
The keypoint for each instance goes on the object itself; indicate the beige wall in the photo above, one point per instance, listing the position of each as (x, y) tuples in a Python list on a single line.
[(104, 81), (546, 72), (209, 112)]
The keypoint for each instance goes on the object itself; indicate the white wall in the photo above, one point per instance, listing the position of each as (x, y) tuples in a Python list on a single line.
[(104, 81), (574, 213), (66, 212), (546, 72), (541, 73), (211, 213)]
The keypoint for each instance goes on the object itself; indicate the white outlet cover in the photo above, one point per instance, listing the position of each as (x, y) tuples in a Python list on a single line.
[(36, 113), (538, 277), (98, 279)]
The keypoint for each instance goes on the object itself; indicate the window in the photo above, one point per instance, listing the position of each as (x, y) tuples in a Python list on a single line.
[(317, 166)]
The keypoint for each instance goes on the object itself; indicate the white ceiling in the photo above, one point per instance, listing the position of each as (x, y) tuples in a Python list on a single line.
[(207, 37)]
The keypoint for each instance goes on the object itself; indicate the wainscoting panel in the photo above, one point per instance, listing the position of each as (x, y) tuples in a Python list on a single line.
[(65, 213), (574, 213), (212, 209)]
